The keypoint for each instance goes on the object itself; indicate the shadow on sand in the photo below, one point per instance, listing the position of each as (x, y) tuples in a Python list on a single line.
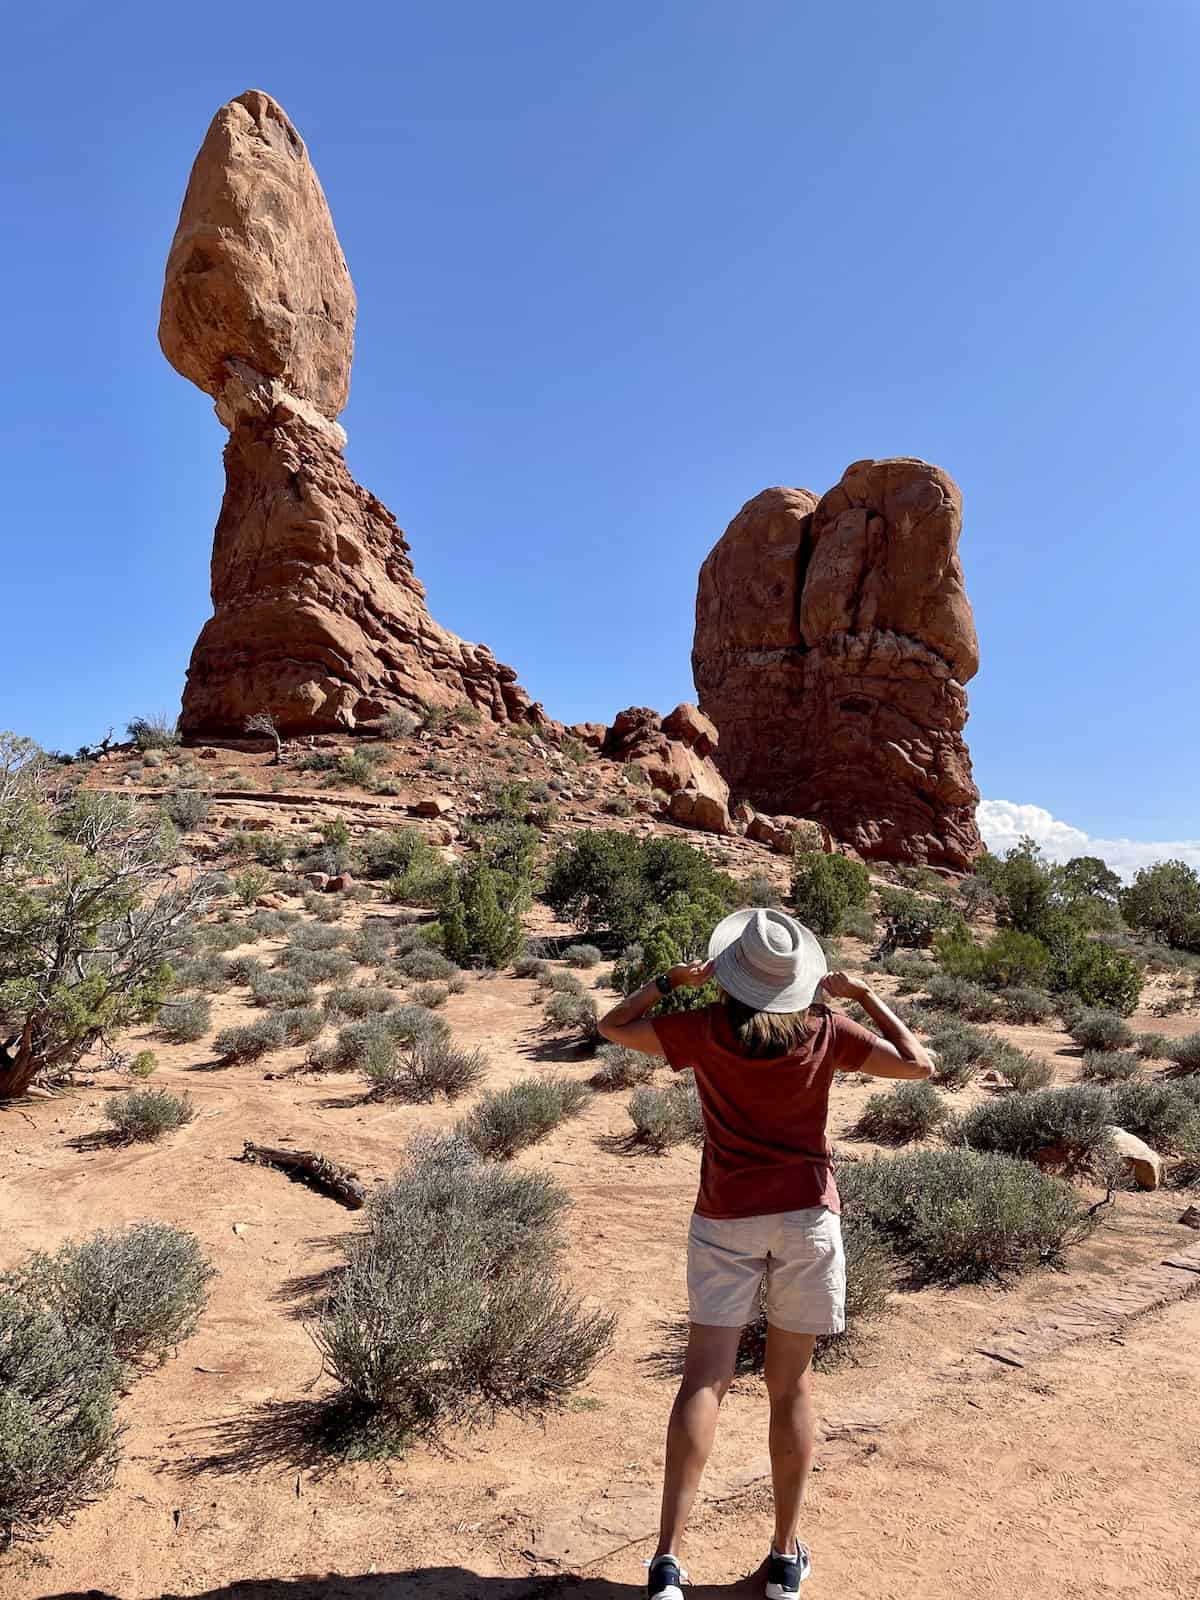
[(444, 1583)]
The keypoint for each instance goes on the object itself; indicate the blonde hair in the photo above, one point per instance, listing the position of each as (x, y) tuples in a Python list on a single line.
[(764, 1034)]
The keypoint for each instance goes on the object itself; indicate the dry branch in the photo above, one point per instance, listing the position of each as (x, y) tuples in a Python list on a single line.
[(314, 1168)]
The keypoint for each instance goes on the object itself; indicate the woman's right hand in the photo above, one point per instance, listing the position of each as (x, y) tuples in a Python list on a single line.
[(690, 974)]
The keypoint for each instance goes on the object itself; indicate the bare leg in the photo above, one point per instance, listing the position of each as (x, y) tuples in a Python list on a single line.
[(707, 1374), (789, 1384)]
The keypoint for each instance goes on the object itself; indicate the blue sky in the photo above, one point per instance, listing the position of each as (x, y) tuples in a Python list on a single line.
[(619, 267)]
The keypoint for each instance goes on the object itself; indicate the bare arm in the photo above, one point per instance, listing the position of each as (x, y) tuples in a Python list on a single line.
[(627, 1022), (900, 1054)]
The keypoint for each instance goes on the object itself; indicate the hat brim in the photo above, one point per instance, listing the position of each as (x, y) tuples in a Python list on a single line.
[(732, 976)]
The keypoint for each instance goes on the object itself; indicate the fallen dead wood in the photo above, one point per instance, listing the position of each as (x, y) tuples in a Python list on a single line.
[(314, 1168)]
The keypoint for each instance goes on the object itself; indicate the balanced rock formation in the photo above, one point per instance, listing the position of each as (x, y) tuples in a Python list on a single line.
[(833, 642), (675, 753), (318, 616)]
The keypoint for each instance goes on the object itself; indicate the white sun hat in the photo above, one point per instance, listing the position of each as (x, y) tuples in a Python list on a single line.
[(767, 960)]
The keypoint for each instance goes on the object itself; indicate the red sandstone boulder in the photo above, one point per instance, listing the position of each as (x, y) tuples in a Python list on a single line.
[(318, 616), (639, 737), (591, 734), (691, 727), (833, 641), (434, 805), (704, 811), (339, 883)]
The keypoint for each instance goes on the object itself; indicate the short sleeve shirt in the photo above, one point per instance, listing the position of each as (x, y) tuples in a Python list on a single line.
[(766, 1148)]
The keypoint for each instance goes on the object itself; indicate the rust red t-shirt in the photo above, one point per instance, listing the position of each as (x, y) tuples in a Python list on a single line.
[(766, 1148)]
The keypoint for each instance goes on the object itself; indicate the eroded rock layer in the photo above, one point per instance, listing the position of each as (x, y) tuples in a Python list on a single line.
[(318, 616), (833, 641)]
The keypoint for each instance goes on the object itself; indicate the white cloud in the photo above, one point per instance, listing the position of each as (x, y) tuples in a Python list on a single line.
[(1003, 822)]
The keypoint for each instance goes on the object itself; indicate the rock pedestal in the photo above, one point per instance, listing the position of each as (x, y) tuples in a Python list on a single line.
[(318, 617)]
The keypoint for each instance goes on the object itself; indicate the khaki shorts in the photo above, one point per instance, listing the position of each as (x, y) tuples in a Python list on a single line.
[(798, 1252)]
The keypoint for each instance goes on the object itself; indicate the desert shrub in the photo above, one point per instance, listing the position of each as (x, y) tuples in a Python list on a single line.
[(1167, 1119), (250, 883), (481, 913), (249, 1041), (913, 968), (160, 732), (609, 881), (357, 767), (573, 1013), (909, 1111), (327, 908), (415, 873), (1023, 1071), (962, 998), (508, 1120), (243, 970), (142, 1287), (209, 973), (759, 889), (147, 1114), (1025, 888), (430, 995), (858, 923), (820, 893), (425, 965), (675, 931), (373, 944), (665, 1117), (1100, 1030), (58, 1435), (621, 1068), (144, 1064), (316, 966), (1184, 1054), (1152, 1046), (957, 1215), (618, 805), (269, 924), (960, 1051), (908, 920), (1073, 1120), (450, 1307), (373, 1043), (282, 988), (362, 1000), (397, 724), (1023, 1005), (1008, 958), (1110, 1066), (185, 1021), (531, 966), (582, 955), (301, 1024), (458, 983), (187, 808), (1102, 976), (559, 982), (1164, 901), (268, 849), (429, 1065), (308, 936)]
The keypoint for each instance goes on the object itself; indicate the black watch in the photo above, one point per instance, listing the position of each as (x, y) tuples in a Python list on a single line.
[(663, 983)]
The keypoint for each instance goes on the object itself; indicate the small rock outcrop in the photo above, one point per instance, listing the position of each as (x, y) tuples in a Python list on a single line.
[(675, 754), (833, 642), (318, 617)]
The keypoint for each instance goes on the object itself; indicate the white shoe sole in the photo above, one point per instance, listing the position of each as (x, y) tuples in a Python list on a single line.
[(776, 1591), (671, 1592)]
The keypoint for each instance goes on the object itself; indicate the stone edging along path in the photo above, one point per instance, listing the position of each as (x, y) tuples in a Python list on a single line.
[(578, 1536)]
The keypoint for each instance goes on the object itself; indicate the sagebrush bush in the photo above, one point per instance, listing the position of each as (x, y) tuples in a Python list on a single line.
[(374, 943), (269, 924), (858, 923), (583, 955), (207, 972), (316, 966), (559, 982), (423, 965), (621, 1068), (313, 936), (1152, 1046), (430, 1064), (397, 724), (362, 1000), (243, 970), (450, 1307), (1160, 1113), (142, 1287), (1024, 1071), (665, 1117), (159, 732), (1009, 958), (301, 1024), (1022, 1005), (531, 966), (573, 1013), (430, 995), (415, 873), (250, 883), (285, 987), (508, 1120), (147, 1114), (963, 998), (185, 1021), (372, 1045), (1072, 1121), (187, 808), (250, 1041), (956, 1216), (907, 1112), (58, 1434), (1110, 1066), (1097, 1029), (1184, 1054), (960, 1051)]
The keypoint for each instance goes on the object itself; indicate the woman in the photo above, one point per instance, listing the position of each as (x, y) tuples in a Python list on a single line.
[(764, 1057)]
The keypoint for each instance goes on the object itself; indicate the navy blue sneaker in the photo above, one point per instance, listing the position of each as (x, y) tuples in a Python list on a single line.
[(666, 1579), (785, 1574)]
